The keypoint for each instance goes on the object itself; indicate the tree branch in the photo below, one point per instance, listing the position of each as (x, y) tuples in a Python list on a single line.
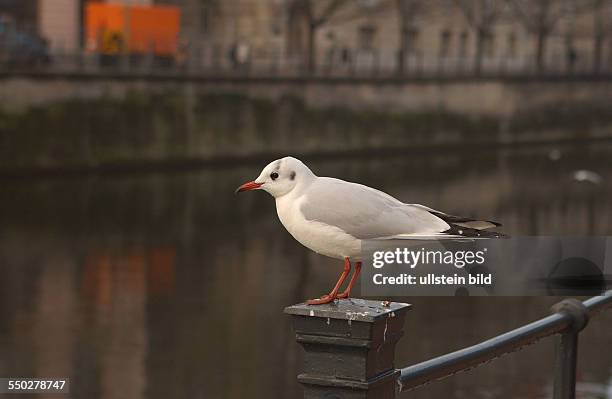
[(467, 12), (338, 19), (331, 8)]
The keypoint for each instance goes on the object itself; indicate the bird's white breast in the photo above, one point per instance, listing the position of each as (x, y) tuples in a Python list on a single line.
[(320, 237)]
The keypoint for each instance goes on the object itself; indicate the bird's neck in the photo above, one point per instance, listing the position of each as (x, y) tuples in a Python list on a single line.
[(299, 188), (303, 184)]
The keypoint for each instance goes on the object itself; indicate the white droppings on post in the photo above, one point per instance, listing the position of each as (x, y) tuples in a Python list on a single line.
[(328, 321), (392, 314), (311, 313), (353, 316)]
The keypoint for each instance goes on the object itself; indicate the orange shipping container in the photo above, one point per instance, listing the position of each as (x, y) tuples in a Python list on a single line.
[(116, 28)]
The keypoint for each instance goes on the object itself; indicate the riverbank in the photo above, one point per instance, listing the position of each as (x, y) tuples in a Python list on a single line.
[(132, 127)]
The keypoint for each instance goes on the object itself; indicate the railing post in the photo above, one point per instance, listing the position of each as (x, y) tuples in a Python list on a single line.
[(565, 365), (566, 350), (349, 348)]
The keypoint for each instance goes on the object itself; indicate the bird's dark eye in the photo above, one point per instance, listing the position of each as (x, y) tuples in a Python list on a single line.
[(274, 175)]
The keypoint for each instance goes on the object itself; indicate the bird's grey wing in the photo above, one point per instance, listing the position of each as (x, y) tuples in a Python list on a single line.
[(366, 213)]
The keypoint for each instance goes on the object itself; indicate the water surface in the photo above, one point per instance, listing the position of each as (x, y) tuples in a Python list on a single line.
[(168, 285)]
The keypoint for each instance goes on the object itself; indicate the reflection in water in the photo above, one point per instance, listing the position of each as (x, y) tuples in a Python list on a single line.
[(167, 285)]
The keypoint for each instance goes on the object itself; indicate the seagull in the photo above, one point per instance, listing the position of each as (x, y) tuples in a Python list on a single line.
[(332, 217)]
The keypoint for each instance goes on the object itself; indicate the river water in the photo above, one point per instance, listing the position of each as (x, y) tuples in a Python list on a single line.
[(167, 285)]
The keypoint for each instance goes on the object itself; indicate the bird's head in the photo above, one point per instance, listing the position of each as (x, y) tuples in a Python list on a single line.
[(280, 177)]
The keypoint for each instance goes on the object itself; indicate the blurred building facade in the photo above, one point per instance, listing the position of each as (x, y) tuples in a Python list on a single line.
[(60, 22), (341, 36), (371, 35), (22, 12)]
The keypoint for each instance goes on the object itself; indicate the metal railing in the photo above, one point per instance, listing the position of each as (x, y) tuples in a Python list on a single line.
[(148, 65), (570, 317), (349, 347)]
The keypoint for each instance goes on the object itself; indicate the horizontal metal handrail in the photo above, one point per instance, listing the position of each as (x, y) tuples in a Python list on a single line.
[(451, 363)]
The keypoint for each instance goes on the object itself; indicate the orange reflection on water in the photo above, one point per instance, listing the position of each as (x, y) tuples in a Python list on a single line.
[(162, 271), (151, 270)]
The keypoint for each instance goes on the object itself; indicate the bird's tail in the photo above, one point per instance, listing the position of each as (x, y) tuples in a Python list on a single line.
[(467, 227)]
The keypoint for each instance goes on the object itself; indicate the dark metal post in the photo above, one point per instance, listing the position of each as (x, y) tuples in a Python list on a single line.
[(565, 365), (349, 348), (566, 351)]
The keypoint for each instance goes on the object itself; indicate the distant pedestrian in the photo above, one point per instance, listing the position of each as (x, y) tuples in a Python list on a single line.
[(240, 56)]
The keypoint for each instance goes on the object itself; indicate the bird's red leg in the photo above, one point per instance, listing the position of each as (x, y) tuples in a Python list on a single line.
[(347, 291), (334, 293)]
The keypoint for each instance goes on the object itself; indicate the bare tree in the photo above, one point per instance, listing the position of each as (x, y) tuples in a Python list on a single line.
[(481, 15), (602, 27), (539, 17), (317, 14), (195, 27)]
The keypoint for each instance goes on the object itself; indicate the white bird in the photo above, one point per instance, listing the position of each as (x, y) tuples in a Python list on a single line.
[(332, 217)]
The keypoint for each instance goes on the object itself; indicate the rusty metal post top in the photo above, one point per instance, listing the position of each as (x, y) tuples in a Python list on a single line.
[(350, 309)]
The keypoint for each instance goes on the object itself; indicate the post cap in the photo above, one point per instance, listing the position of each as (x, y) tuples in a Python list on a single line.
[(350, 309)]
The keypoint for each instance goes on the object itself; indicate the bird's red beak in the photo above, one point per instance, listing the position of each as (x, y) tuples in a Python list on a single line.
[(248, 186)]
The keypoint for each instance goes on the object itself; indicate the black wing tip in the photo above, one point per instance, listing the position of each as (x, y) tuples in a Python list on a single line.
[(452, 219), (474, 233)]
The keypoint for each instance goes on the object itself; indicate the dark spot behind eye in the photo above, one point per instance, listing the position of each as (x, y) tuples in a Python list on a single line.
[(292, 175), (274, 175)]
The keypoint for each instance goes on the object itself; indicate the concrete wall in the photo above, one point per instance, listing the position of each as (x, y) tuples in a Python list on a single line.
[(96, 123), (483, 97)]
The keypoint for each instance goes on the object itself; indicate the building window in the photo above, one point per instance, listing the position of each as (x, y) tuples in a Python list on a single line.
[(463, 44), (205, 20), (345, 56), (411, 37), (366, 37), (277, 19), (512, 44), (489, 45), (445, 41)]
